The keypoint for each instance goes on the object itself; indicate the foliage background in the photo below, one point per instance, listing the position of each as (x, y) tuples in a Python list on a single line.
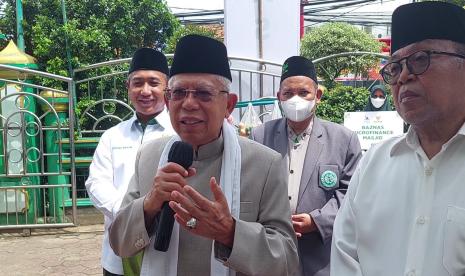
[(97, 30), (186, 30), (341, 98), (335, 38), (457, 2)]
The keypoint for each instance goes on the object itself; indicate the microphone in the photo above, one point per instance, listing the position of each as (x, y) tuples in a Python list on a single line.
[(182, 154)]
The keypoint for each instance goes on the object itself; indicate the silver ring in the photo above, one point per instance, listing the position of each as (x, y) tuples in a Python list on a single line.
[(192, 223)]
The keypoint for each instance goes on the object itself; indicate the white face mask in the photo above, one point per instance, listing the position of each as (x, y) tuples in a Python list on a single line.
[(377, 102), (297, 109)]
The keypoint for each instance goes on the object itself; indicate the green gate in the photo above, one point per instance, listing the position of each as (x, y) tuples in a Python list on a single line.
[(34, 184)]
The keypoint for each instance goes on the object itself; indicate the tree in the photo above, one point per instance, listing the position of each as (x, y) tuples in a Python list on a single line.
[(190, 29), (460, 3), (335, 38), (97, 30), (341, 99)]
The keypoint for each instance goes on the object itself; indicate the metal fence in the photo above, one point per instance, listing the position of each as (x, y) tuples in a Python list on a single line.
[(36, 185), (101, 88)]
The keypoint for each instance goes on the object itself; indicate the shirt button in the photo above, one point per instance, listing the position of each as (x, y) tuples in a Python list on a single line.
[(428, 171), (291, 171), (421, 220)]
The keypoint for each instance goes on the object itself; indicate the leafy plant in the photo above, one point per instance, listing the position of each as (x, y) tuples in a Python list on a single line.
[(189, 29), (335, 38), (460, 3), (81, 107), (341, 99), (96, 31)]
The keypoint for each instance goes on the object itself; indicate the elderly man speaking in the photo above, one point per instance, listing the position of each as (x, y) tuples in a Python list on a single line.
[(231, 206)]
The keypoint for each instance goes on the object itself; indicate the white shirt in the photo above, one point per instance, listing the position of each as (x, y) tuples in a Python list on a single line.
[(298, 145), (112, 168), (403, 213)]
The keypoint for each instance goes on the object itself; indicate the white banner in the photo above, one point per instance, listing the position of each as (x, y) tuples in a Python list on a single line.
[(374, 127)]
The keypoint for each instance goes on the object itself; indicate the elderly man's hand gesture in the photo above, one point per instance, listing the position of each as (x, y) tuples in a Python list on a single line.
[(172, 177), (214, 220)]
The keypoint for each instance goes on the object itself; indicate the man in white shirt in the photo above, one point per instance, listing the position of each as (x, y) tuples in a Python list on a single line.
[(404, 212), (114, 159)]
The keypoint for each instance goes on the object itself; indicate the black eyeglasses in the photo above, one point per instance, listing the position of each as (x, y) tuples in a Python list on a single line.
[(202, 95), (417, 63)]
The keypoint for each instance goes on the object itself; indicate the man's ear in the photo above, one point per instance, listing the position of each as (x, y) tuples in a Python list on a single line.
[(232, 100), (319, 94), (127, 84), (166, 102)]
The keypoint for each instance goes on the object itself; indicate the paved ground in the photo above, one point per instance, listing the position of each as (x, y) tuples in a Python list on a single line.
[(67, 251)]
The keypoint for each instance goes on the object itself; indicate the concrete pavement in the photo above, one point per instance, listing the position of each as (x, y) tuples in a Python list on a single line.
[(68, 251)]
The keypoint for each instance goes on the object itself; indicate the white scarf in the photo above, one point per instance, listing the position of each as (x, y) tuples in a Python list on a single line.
[(166, 263)]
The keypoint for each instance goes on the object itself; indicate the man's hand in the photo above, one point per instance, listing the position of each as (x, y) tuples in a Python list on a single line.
[(214, 220), (171, 177), (303, 223)]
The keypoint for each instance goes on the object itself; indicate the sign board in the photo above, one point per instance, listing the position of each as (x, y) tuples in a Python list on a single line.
[(374, 127)]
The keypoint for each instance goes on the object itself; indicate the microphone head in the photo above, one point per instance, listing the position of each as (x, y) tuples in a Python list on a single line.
[(181, 153)]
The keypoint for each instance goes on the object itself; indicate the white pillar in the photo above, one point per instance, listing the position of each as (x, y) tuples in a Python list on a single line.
[(276, 39)]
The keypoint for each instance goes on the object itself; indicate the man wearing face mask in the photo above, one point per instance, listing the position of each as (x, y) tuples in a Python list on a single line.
[(321, 157), (378, 100)]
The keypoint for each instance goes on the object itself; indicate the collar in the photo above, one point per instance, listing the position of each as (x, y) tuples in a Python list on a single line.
[(210, 150), (150, 122), (296, 139), (410, 139), (162, 119)]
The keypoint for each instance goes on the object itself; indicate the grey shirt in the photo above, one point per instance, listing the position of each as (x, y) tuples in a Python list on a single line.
[(207, 162), (264, 240)]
